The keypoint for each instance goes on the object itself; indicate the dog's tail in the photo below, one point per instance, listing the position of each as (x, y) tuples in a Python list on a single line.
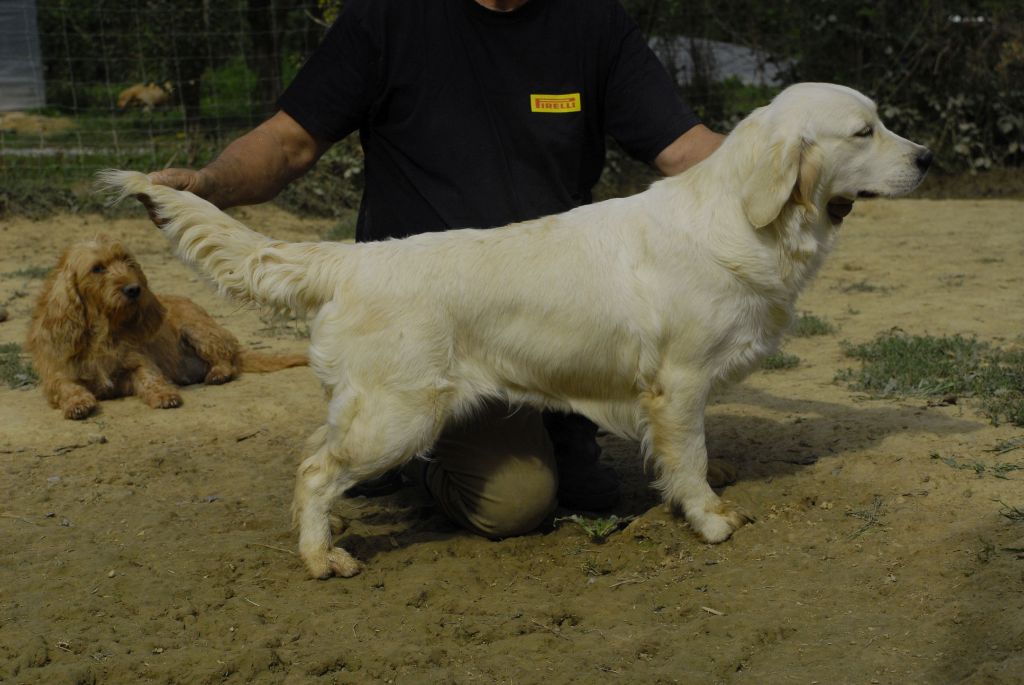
[(261, 362), (243, 263)]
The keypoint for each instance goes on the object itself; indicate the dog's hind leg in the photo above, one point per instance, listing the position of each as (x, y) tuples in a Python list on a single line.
[(369, 435), (675, 436), (214, 344), (321, 479), (149, 383)]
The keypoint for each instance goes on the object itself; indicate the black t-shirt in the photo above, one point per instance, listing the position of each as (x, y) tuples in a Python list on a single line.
[(474, 118)]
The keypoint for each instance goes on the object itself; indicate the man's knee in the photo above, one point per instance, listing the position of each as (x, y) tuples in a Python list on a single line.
[(495, 475), (513, 500)]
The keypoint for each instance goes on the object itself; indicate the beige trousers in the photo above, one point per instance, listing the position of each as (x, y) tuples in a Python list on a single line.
[(495, 474)]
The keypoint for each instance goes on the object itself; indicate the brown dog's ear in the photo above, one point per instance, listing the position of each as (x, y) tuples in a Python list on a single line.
[(151, 313), (63, 317), (770, 185)]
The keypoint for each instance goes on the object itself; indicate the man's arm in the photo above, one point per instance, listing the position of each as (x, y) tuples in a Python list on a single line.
[(254, 168), (688, 149)]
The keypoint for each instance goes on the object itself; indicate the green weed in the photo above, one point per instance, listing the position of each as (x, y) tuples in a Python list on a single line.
[(808, 325), (1011, 512), (779, 361), (14, 371), (28, 272), (995, 470), (897, 364), (863, 286), (598, 529), (1009, 445)]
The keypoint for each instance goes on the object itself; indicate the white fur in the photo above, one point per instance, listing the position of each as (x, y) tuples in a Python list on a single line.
[(630, 311)]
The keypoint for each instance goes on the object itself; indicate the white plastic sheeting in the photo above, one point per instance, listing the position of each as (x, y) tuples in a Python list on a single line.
[(21, 64)]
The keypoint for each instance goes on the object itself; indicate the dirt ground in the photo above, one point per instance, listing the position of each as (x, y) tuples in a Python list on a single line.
[(155, 546)]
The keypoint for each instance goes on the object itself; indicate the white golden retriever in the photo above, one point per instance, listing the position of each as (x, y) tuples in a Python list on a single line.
[(630, 311)]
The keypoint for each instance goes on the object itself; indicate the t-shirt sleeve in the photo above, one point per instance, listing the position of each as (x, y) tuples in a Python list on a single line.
[(334, 90), (643, 110)]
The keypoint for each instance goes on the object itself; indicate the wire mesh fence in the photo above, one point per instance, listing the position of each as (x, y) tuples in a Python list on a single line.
[(150, 83), (143, 84)]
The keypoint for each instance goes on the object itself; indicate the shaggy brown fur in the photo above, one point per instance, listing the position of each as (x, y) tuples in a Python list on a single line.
[(99, 332)]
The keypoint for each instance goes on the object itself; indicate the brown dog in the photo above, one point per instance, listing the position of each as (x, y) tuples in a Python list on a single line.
[(98, 331), (146, 96)]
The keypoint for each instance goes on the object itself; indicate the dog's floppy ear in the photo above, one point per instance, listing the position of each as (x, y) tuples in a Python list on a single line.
[(776, 165), (807, 179), (63, 310)]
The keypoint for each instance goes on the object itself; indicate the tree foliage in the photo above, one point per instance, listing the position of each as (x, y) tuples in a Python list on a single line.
[(947, 72)]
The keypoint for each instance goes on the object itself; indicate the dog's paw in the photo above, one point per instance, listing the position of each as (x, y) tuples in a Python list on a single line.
[(165, 400), (332, 562), (218, 375), (79, 410), (718, 525)]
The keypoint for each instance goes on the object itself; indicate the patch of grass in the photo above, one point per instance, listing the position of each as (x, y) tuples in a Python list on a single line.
[(995, 470), (598, 529), (808, 325), (29, 272), (952, 280), (1011, 512), (780, 361), (592, 569), (1009, 445), (862, 286), (872, 517), (977, 466), (896, 364), (14, 371)]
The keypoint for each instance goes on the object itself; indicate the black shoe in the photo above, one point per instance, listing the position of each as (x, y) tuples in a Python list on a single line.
[(390, 482), (590, 488), (583, 483)]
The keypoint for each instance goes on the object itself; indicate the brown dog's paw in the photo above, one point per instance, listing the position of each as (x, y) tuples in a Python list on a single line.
[(79, 410), (218, 375), (164, 400)]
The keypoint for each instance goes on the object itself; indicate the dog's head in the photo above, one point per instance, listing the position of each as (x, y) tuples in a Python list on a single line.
[(99, 283), (819, 142)]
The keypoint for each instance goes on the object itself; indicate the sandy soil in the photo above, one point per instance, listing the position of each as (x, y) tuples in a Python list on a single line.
[(150, 545)]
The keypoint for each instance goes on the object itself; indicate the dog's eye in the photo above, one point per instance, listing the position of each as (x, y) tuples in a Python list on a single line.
[(98, 269), (865, 132)]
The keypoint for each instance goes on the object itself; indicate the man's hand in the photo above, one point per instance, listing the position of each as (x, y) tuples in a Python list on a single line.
[(179, 179), (251, 169)]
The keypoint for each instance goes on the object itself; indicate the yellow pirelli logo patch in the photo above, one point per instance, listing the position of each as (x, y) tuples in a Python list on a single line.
[(547, 103)]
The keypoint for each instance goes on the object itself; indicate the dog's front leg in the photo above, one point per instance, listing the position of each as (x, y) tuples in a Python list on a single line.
[(675, 413), (74, 399)]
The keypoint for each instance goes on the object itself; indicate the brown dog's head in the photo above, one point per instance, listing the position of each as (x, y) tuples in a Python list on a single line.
[(98, 287)]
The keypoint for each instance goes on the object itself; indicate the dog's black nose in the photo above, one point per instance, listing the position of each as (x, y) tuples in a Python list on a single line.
[(132, 291), (924, 160)]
